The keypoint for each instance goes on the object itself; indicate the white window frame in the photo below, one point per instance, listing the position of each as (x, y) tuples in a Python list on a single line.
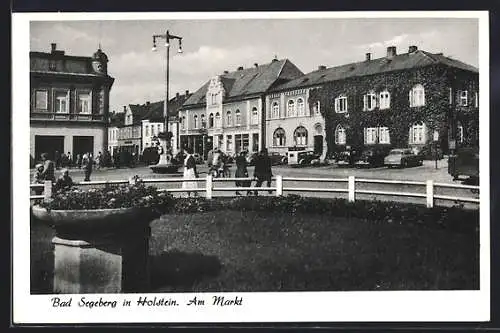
[(44, 106), (340, 135), (88, 99), (195, 121), (302, 139), (229, 118), (418, 133), (147, 130), (301, 110), (417, 96), (460, 133), (384, 135), (275, 110), (218, 120), (463, 97), (384, 100), (183, 122), (202, 121), (369, 101), (291, 108), (255, 116), (370, 135), (279, 139), (158, 128), (237, 117), (58, 99), (211, 120), (341, 104)]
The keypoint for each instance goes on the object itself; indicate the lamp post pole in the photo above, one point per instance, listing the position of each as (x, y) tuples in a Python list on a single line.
[(167, 37)]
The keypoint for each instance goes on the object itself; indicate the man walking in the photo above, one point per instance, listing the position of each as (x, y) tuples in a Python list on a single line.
[(87, 166), (262, 171)]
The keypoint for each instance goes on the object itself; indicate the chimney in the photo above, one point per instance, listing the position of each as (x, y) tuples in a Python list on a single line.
[(53, 47), (177, 95), (187, 92), (412, 49), (368, 56), (391, 51), (147, 103), (240, 68), (226, 72), (256, 65), (321, 67)]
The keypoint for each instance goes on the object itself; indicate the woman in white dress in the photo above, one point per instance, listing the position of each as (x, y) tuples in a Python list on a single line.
[(189, 172)]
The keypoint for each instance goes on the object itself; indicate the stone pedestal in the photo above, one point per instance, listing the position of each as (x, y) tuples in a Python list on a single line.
[(111, 262)]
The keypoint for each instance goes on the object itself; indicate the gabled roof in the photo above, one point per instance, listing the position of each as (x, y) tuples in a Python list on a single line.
[(138, 112), (249, 81), (154, 112), (116, 119), (399, 62)]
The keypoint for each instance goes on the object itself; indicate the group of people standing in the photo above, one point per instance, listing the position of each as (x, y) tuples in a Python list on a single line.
[(45, 171), (262, 172)]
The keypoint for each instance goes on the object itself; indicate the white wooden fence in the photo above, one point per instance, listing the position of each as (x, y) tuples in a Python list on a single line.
[(279, 188)]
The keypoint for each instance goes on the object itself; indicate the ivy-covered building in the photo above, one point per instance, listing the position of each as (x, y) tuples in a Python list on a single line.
[(399, 100)]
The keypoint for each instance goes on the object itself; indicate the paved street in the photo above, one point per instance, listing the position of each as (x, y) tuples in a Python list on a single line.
[(421, 173)]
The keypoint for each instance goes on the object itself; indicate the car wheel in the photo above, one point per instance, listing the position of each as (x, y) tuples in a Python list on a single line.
[(404, 164)]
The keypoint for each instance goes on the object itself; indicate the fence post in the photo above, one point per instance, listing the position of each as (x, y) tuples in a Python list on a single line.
[(430, 193), (47, 190), (352, 189), (209, 187), (279, 185)]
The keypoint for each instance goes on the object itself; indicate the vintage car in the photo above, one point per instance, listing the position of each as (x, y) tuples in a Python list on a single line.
[(150, 156), (345, 158), (402, 158), (464, 163), (277, 158), (307, 157), (370, 158)]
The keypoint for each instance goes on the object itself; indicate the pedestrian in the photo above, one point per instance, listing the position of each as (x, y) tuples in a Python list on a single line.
[(242, 172), (78, 161), (189, 172), (57, 159), (48, 168), (64, 182), (87, 166), (98, 161), (70, 159), (262, 171), (37, 178)]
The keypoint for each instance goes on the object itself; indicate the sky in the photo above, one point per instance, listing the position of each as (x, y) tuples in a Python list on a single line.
[(212, 46)]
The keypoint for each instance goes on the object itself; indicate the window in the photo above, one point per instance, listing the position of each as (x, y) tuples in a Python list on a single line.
[(61, 101), (476, 99), (450, 96), (300, 107), (417, 96), (371, 135), (203, 121), (290, 108), (463, 98), (275, 110), (383, 135), (300, 136), (237, 116), (255, 116), (147, 130), (41, 99), (158, 128), (341, 104), (460, 133), (369, 101), (279, 138), (229, 143), (211, 120), (316, 108), (213, 99), (84, 103), (183, 122), (195, 121), (229, 118), (384, 100), (218, 122), (418, 133), (340, 135)]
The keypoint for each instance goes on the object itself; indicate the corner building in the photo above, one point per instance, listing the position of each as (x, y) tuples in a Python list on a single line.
[(69, 106)]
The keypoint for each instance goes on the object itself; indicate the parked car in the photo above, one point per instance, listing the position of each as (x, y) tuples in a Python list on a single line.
[(277, 158), (403, 158), (370, 158), (198, 159), (465, 163), (150, 156), (429, 153), (307, 157), (346, 158)]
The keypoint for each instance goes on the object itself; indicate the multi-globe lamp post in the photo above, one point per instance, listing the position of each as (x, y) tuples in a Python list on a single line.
[(167, 134)]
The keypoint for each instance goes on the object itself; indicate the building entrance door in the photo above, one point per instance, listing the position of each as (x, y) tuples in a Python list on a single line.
[(83, 144), (48, 144), (318, 144)]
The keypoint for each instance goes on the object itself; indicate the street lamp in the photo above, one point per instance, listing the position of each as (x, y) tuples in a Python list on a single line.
[(167, 37)]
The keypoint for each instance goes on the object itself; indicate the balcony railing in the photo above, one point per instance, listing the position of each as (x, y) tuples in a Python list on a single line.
[(66, 116)]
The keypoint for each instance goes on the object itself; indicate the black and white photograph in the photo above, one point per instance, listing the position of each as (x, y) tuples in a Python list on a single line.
[(251, 167)]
